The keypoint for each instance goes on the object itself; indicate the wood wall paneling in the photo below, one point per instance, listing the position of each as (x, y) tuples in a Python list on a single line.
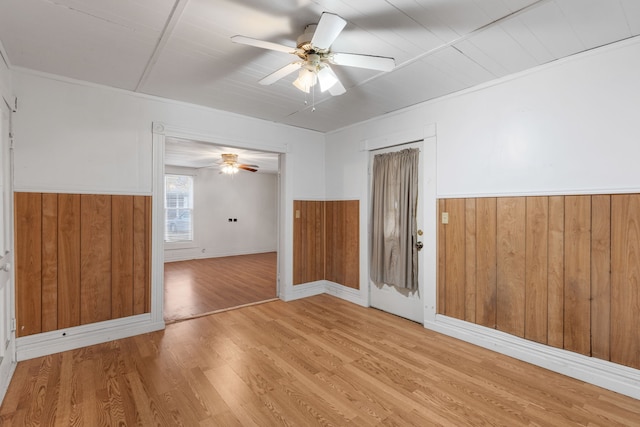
[(49, 262), (319, 238), (68, 260), (511, 225), (486, 262), (625, 279), (470, 260), (455, 259), (28, 241), (65, 257), (601, 276), (442, 250), (141, 254), (577, 274), (555, 273), (342, 242), (560, 270), (536, 274), (122, 260), (309, 239), (95, 268), (326, 242)]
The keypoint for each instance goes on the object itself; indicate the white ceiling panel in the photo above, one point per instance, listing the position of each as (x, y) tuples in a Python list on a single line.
[(182, 49), (549, 24), (84, 40), (498, 52), (459, 67), (594, 22), (522, 35), (632, 15)]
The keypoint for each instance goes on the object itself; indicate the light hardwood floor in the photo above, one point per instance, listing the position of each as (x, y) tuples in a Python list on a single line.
[(316, 361), (195, 287)]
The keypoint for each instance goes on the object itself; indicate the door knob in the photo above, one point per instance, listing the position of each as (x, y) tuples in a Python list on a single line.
[(419, 245)]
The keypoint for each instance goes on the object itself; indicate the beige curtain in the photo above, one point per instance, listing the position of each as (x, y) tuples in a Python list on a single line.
[(394, 256)]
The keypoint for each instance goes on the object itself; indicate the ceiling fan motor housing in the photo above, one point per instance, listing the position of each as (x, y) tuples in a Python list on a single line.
[(304, 40)]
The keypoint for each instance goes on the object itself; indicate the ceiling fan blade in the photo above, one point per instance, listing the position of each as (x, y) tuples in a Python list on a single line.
[(247, 168), (329, 26), (263, 44), (381, 63), (282, 72)]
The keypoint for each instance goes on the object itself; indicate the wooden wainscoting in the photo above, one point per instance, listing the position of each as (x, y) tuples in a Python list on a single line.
[(308, 241), (559, 270), (326, 242), (342, 230), (80, 259)]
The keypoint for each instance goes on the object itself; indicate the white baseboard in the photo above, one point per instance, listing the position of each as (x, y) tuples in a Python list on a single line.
[(349, 294), (174, 255), (608, 375), (52, 342), (304, 290)]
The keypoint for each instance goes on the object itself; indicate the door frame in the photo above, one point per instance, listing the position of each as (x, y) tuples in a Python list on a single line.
[(401, 302), (8, 360), (285, 208), (427, 135)]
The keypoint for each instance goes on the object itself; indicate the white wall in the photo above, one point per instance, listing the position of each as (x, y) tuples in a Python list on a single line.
[(251, 198), (72, 136), (568, 127)]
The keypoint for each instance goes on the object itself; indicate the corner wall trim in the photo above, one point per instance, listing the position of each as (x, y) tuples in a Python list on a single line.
[(608, 375), (346, 293), (46, 343)]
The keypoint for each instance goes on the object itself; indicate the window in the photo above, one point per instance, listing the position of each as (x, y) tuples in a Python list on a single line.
[(178, 208)]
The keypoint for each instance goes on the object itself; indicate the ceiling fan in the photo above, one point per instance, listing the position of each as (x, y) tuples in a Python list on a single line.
[(315, 57), (230, 165)]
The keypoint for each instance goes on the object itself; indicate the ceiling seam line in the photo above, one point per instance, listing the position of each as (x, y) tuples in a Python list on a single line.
[(167, 31)]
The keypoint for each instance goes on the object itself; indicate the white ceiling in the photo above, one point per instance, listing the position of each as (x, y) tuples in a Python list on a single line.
[(181, 49), (194, 154)]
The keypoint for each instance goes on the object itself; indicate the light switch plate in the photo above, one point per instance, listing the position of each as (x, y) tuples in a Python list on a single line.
[(445, 217)]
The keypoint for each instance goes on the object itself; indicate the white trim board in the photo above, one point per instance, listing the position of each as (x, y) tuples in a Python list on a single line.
[(355, 296), (303, 291), (60, 340), (7, 373), (608, 375)]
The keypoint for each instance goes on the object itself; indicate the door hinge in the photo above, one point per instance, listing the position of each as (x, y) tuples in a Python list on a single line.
[(13, 324)]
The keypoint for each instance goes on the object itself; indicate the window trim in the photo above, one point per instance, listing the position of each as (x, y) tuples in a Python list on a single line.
[(184, 244)]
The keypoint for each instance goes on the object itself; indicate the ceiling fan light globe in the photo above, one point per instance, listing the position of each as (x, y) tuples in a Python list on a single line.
[(306, 80), (327, 78)]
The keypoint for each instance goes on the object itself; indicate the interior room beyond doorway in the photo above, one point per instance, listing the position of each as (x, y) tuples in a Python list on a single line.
[(221, 228)]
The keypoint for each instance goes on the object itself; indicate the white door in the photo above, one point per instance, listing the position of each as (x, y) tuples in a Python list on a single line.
[(391, 299), (7, 336)]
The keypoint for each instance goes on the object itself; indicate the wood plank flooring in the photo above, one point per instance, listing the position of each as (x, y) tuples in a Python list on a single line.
[(316, 361), (195, 287)]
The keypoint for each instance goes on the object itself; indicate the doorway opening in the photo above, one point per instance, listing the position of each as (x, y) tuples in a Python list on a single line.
[(221, 232)]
